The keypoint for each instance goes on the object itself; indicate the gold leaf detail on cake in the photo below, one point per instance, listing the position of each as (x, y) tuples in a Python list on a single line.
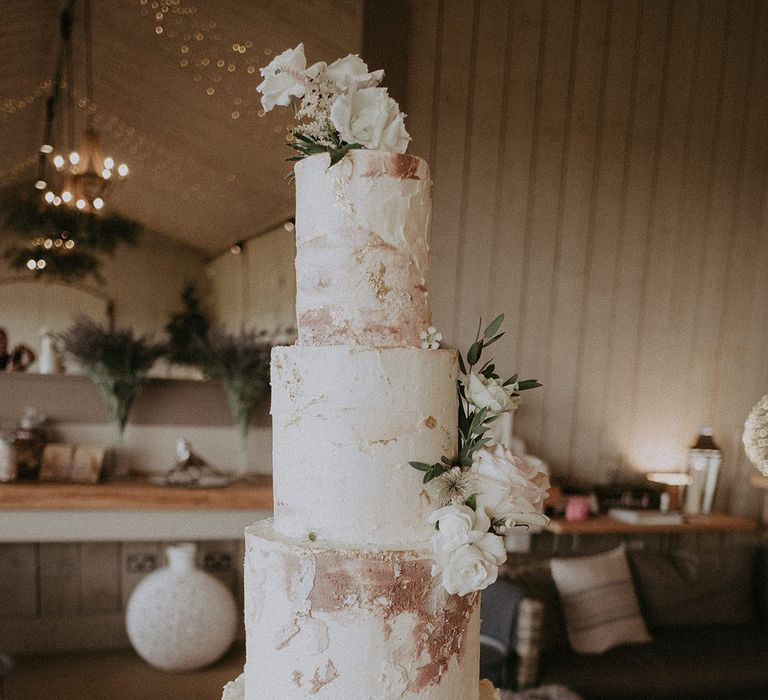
[(376, 280)]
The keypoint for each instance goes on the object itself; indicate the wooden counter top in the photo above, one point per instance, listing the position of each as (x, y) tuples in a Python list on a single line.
[(603, 525), (136, 494)]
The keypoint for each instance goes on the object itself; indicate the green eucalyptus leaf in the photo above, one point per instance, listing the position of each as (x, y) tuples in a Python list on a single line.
[(493, 340), (493, 326), (461, 364), (472, 501), (527, 384), (474, 352), (420, 466), (511, 380)]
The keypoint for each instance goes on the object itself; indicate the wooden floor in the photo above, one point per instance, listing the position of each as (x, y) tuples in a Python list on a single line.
[(115, 675)]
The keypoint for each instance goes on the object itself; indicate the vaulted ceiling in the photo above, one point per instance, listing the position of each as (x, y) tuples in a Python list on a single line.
[(174, 89)]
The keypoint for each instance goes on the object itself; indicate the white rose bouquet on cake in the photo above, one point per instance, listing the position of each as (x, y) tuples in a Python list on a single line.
[(338, 107), (484, 489)]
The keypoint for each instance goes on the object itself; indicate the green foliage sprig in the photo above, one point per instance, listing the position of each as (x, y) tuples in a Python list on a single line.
[(307, 146), (474, 422), (187, 328)]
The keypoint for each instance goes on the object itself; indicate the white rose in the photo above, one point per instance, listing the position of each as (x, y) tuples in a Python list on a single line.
[(456, 524), (283, 78), (473, 567), (371, 118), (510, 490), (466, 554), (489, 393), (351, 73)]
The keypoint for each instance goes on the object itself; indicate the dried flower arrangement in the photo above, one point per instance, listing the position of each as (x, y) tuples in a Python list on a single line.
[(241, 362), (115, 360)]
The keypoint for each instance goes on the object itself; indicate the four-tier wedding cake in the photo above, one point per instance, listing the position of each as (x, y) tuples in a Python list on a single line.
[(366, 583), (340, 598)]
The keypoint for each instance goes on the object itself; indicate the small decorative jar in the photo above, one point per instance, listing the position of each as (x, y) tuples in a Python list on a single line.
[(29, 443), (180, 618)]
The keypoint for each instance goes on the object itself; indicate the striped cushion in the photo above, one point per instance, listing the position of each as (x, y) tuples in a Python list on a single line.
[(599, 602)]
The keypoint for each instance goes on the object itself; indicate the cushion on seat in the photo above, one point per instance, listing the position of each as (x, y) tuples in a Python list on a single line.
[(599, 602)]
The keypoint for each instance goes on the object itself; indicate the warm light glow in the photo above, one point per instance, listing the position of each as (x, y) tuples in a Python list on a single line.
[(58, 161), (66, 196), (109, 163), (31, 264), (106, 174), (289, 226), (69, 245), (41, 184), (669, 478), (80, 203), (122, 170), (49, 197), (74, 157), (56, 201), (98, 203), (40, 264), (58, 242), (48, 243), (46, 148)]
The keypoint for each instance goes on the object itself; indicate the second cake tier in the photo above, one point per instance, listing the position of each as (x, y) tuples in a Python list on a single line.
[(346, 423)]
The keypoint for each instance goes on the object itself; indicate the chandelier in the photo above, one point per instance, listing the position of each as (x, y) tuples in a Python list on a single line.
[(74, 175)]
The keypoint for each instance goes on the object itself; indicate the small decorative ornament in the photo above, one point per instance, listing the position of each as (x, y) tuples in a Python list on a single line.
[(180, 618), (756, 435), (430, 338)]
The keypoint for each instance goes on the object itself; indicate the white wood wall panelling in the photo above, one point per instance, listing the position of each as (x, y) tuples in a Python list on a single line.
[(604, 186)]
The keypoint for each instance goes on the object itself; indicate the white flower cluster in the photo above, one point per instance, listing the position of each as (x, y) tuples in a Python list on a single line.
[(342, 98), (430, 338), (467, 547)]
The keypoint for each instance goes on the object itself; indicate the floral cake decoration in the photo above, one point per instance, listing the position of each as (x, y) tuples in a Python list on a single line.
[(483, 490), (338, 107)]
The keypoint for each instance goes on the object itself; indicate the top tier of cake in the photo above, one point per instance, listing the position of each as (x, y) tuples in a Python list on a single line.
[(362, 249)]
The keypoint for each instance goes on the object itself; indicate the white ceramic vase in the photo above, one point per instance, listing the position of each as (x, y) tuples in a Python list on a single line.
[(180, 618)]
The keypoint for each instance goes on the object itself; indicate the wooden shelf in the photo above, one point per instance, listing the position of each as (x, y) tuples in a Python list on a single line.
[(136, 494), (603, 525)]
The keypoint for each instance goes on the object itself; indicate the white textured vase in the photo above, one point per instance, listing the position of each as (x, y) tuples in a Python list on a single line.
[(180, 618)]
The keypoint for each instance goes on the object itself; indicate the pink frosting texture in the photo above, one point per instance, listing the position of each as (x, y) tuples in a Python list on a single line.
[(362, 249)]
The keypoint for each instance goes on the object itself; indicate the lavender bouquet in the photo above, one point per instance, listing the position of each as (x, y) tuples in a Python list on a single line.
[(241, 363), (115, 360)]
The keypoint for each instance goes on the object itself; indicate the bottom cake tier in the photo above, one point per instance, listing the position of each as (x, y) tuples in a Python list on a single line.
[(328, 622)]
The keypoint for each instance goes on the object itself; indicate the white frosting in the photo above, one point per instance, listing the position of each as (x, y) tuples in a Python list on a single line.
[(346, 423), (362, 249), (359, 624)]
